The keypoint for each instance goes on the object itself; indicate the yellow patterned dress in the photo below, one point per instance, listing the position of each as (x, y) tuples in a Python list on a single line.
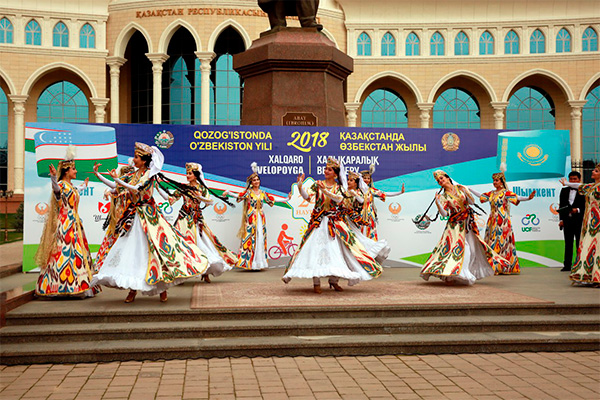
[(149, 255), (499, 233), (66, 265), (448, 257), (190, 223), (329, 248), (369, 212), (587, 263), (253, 248)]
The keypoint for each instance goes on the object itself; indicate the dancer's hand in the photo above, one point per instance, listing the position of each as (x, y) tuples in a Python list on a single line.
[(113, 173), (52, 170), (532, 195), (96, 165), (402, 191), (226, 193), (86, 181), (300, 179), (563, 181)]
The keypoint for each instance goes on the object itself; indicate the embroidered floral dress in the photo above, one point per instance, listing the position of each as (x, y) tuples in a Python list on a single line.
[(190, 223), (448, 257), (149, 255), (369, 212), (67, 268), (253, 248), (499, 233), (329, 248), (587, 262)]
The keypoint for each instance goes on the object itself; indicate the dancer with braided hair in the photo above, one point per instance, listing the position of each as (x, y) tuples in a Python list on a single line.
[(191, 224), (450, 260), (149, 255)]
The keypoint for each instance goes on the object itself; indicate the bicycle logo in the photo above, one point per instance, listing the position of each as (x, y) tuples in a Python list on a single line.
[(276, 251), (530, 218)]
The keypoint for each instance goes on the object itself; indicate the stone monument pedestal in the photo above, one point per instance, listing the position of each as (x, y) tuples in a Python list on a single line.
[(295, 72)]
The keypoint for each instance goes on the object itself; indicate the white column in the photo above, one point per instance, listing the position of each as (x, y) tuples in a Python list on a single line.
[(499, 108), (100, 105), (351, 113), (19, 140), (576, 137), (205, 58), (157, 60), (425, 115), (115, 64)]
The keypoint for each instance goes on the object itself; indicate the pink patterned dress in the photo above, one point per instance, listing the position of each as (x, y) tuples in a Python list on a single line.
[(587, 263), (499, 233), (448, 257), (253, 248)]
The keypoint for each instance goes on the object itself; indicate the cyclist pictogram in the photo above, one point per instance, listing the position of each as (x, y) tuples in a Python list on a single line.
[(530, 219), (285, 245)]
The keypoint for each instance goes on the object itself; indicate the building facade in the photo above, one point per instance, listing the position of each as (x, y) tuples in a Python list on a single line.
[(511, 64)]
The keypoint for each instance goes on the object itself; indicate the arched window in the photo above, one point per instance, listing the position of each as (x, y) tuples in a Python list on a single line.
[(413, 45), (537, 42), (530, 108), (60, 35), (590, 40), (3, 140), (486, 44), (87, 37), (461, 44), (511, 43), (563, 41), (364, 45), (6, 31), (437, 44), (181, 80), (384, 109), (141, 81), (456, 109), (388, 45), (62, 102), (590, 126), (33, 33), (227, 88)]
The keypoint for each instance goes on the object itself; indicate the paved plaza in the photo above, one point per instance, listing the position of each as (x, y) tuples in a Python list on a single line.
[(507, 376)]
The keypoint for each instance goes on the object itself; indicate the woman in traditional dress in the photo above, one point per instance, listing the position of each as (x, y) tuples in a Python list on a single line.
[(354, 204), (63, 254), (329, 248), (586, 270), (499, 233), (253, 231), (369, 211), (149, 255), (450, 260), (191, 224)]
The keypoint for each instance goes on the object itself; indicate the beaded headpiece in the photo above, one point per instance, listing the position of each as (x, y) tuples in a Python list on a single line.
[(332, 162), (500, 176), (192, 167), (438, 173), (353, 175), (142, 149), (69, 160), (368, 172), (254, 173)]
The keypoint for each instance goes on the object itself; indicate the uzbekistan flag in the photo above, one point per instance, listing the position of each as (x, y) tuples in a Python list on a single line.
[(94, 144)]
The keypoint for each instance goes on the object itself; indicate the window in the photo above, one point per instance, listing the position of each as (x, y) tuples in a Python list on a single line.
[(537, 42), (590, 40), (388, 45), (437, 44), (384, 109), (3, 140), (62, 102), (590, 127), (364, 45), (60, 35), (461, 44), (511, 43), (6, 31), (413, 45), (486, 44), (563, 41), (33, 33), (87, 37), (456, 108), (530, 108)]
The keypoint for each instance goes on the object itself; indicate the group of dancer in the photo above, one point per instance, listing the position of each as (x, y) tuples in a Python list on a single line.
[(142, 252)]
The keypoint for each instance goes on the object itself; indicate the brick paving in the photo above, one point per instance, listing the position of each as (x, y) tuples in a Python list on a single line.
[(509, 376)]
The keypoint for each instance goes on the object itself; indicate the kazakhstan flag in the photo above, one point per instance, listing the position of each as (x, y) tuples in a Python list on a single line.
[(533, 154)]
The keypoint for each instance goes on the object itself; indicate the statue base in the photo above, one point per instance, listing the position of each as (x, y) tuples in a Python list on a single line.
[(293, 72)]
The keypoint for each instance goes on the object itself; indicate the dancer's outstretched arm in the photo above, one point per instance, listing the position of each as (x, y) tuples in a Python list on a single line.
[(108, 183)]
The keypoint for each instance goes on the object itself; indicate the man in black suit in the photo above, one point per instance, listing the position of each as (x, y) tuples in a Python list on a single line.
[(571, 209)]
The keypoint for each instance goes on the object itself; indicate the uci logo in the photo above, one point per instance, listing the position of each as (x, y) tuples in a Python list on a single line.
[(220, 208), (165, 208), (530, 219), (533, 155), (395, 208)]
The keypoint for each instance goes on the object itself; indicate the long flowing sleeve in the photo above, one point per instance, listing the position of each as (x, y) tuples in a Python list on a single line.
[(108, 183), (128, 186)]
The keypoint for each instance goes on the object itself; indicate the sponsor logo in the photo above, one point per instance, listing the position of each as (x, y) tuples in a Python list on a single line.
[(532, 155), (103, 207), (41, 208), (554, 208), (165, 208), (530, 223), (220, 208), (450, 141), (539, 191), (395, 208), (421, 223), (164, 139)]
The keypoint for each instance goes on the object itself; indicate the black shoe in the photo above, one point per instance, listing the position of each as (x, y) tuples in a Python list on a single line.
[(566, 269)]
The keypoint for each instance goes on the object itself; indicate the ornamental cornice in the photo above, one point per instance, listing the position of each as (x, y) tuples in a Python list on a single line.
[(490, 59), (472, 24), (64, 16), (53, 51)]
